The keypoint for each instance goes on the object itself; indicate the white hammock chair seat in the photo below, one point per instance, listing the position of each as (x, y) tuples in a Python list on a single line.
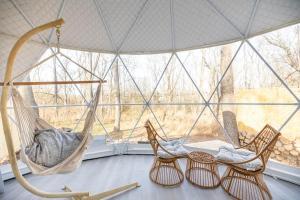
[(28, 122)]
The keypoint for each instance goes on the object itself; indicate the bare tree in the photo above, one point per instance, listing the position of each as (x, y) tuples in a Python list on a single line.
[(169, 75), (156, 65), (101, 69), (227, 95), (213, 76), (116, 94), (93, 68), (289, 55), (170, 83)]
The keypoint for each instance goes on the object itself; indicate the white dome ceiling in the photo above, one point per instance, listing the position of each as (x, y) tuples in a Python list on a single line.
[(140, 26)]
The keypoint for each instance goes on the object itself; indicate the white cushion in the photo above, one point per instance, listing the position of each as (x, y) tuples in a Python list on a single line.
[(230, 154), (175, 147), (171, 142)]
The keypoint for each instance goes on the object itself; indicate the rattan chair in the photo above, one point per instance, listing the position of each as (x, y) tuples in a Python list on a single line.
[(245, 184), (165, 171)]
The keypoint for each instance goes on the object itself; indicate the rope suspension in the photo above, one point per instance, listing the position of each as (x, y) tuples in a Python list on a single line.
[(58, 33)]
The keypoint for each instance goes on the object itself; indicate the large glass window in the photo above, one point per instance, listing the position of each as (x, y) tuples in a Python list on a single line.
[(198, 95)]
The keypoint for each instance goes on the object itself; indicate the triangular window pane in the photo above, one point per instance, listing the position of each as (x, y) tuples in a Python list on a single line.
[(204, 66), (171, 118), (207, 128), (120, 87), (176, 86), (249, 80), (118, 120), (281, 50), (139, 134), (146, 70)]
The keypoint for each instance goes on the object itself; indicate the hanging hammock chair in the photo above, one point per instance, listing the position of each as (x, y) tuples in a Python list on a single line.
[(28, 123)]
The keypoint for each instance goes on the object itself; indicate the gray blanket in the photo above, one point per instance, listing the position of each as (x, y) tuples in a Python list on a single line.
[(52, 146)]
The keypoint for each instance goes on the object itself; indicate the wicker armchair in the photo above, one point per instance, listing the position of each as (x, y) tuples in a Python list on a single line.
[(246, 184), (165, 170)]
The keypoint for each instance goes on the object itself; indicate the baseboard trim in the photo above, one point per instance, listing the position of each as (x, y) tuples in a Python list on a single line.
[(274, 168)]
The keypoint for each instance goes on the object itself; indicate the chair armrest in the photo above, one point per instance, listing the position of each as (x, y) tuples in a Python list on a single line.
[(250, 146), (161, 137), (242, 147)]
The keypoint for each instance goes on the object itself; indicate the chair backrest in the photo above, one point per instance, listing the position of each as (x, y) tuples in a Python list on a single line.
[(26, 119), (152, 136), (265, 141)]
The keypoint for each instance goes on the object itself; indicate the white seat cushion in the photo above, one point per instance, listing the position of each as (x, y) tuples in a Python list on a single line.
[(230, 154), (171, 142), (175, 147)]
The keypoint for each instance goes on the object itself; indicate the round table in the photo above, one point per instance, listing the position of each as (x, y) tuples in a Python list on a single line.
[(201, 170)]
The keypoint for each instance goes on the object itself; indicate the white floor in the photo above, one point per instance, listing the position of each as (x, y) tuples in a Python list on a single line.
[(106, 173)]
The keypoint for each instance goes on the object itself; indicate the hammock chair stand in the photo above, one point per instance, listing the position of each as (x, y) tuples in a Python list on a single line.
[(68, 193)]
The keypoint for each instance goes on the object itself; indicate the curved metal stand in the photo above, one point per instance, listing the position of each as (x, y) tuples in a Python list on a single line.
[(7, 131)]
